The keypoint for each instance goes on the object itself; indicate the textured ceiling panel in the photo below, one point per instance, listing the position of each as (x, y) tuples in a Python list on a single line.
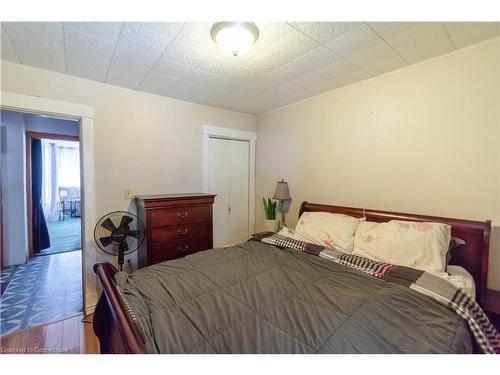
[(289, 61)]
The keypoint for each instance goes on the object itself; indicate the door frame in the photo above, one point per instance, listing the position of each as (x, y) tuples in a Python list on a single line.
[(209, 131), (85, 115), (29, 136)]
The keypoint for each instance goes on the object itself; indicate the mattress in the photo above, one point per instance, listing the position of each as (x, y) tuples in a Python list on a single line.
[(460, 278), (257, 298)]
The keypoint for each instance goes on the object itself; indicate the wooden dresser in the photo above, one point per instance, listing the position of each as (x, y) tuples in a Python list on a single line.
[(176, 225)]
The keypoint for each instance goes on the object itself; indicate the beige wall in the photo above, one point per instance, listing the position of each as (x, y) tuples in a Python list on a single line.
[(424, 139), (143, 142)]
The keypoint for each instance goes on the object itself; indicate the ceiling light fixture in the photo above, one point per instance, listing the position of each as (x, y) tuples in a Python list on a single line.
[(235, 38)]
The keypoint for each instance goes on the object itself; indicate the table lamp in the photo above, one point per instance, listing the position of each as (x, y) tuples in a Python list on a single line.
[(281, 194)]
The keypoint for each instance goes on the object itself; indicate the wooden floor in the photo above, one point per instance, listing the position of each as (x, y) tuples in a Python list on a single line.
[(68, 336)]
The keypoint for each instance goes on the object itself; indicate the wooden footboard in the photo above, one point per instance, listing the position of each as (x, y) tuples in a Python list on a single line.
[(113, 326)]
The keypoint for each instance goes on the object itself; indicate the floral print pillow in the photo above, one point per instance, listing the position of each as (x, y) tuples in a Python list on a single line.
[(420, 245)]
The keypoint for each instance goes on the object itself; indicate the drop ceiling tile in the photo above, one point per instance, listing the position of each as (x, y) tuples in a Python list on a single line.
[(125, 75), (457, 27), (325, 31), (9, 55), (285, 89), (242, 75), (353, 41), (421, 41), (433, 48), (266, 62), (295, 44), (193, 32), (86, 65), (354, 76), (320, 88), (146, 40), (337, 69), (308, 80), (227, 85), (389, 29), (283, 51), (271, 32), (219, 64), (187, 85), (316, 58), (171, 68), (184, 55), (39, 53), (88, 43), (326, 86), (8, 51), (159, 84), (103, 30), (377, 59), (49, 32), (287, 71), (478, 33), (151, 32), (201, 77)]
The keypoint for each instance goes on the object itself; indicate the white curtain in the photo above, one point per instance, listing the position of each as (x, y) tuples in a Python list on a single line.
[(61, 169)]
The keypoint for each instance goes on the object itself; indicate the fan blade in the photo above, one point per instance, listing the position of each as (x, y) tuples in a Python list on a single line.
[(105, 241), (123, 246), (134, 233), (108, 224), (126, 220)]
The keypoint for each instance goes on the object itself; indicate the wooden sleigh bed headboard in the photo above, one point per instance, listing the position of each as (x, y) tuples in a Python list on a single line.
[(472, 255)]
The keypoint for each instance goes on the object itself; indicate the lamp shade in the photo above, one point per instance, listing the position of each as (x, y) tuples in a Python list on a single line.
[(282, 193)]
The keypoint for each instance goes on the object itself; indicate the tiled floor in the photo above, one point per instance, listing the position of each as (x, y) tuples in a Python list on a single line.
[(41, 291)]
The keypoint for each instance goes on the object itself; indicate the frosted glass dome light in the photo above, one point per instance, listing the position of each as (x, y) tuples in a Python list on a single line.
[(235, 38)]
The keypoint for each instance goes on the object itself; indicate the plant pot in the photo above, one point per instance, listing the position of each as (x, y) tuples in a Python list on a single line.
[(271, 225)]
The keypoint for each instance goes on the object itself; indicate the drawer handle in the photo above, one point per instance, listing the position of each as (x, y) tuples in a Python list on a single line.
[(185, 248), (185, 214), (184, 231)]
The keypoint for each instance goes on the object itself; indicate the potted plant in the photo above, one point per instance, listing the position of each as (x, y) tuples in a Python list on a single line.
[(270, 223)]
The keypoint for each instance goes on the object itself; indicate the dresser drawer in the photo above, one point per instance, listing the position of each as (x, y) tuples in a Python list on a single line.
[(178, 215), (177, 249), (178, 232)]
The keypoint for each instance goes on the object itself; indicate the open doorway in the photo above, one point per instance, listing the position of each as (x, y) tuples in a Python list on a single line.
[(41, 275), (53, 180)]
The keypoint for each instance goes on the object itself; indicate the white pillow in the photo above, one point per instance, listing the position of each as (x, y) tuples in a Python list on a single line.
[(327, 229), (420, 245)]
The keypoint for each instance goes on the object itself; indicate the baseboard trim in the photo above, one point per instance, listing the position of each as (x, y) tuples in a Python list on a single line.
[(90, 302)]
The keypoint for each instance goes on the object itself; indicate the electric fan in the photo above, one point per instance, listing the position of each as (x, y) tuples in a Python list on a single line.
[(119, 233)]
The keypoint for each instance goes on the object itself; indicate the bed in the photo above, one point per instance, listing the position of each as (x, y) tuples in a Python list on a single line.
[(258, 298)]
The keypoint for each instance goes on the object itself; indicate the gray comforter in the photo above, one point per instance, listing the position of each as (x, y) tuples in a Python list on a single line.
[(257, 298)]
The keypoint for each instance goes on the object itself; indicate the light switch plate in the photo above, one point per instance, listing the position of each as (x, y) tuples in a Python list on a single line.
[(127, 194)]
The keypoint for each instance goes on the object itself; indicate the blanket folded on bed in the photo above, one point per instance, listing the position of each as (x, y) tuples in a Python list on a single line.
[(426, 283)]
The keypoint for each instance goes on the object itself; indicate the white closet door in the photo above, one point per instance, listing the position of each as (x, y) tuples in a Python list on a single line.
[(218, 183), (228, 177), (238, 190)]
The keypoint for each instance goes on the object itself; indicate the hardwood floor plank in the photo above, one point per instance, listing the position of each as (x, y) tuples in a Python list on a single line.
[(66, 336), (53, 340), (88, 342), (71, 334), (35, 340), (13, 344)]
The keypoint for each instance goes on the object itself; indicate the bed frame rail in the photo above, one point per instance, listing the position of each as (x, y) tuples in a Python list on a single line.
[(113, 326)]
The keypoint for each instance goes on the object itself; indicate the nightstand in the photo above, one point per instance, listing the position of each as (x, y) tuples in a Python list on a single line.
[(491, 306)]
